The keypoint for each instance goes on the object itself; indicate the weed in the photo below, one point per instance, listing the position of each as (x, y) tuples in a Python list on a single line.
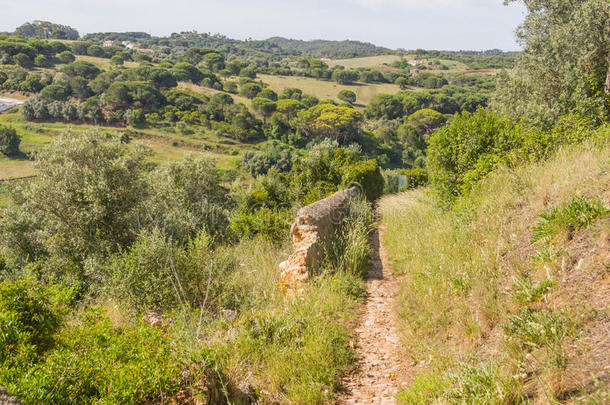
[(527, 291), (547, 254), (535, 329), (424, 389), (579, 213), (350, 250), (478, 385)]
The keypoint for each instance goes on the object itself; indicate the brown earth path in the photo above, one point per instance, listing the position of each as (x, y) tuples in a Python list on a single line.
[(380, 371)]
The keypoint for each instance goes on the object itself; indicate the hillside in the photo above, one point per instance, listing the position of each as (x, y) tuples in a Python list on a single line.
[(505, 296), (198, 220)]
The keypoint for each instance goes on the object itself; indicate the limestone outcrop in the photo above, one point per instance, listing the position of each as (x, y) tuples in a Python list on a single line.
[(314, 228)]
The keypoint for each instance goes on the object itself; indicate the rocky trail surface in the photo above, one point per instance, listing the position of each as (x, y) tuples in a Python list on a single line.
[(380, 372)]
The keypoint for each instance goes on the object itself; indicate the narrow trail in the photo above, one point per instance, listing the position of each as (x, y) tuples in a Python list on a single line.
[(380, 373)]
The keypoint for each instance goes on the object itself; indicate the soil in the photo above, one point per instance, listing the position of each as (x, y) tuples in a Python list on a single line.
[(380, 371)]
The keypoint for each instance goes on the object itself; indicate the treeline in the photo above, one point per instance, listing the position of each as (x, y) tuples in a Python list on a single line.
[(149, 96), (488, 59), (275, 48), (28, 53), (46, 30)]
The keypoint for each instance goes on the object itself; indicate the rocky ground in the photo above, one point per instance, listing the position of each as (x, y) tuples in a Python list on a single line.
[(380, 372)]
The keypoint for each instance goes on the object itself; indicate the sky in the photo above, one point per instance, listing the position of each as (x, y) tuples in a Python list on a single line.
[(407, 24)]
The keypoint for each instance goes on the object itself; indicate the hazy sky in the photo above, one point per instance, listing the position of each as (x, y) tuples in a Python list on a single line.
[(431, 24)]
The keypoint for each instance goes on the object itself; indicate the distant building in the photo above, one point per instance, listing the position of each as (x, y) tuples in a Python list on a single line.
[(146, 50), (326, 60), (107, 43), (131, 45), (413, 62)]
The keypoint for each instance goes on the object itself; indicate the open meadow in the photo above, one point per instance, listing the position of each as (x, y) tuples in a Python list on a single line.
[(328, 90)]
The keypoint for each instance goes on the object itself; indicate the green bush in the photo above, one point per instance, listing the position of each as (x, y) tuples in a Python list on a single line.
[(579, 213), (467, 149), (9, 140), (156, 274), (266, 222), (367, 175), (28, 321), (473, 144), (100, 362), (321, 190), (416, 177)]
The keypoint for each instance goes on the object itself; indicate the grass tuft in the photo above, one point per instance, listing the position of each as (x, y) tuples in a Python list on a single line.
[(578, 213)]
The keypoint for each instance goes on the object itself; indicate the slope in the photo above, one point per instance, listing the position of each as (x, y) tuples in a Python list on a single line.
[(505, 297)]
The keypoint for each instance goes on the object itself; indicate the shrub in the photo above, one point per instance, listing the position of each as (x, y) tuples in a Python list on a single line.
[(185, 197), (347, 95), (100, 362), (473, 144), (135, 118), (320, 190), (467, 149), (28, 321), (152, 274), (579, 213), (416, 177), (367, 175), (83, 203), (266, 222), (9, 140)]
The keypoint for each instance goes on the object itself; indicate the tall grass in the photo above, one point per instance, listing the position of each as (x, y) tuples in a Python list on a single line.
[(296, 352), (475, 286)]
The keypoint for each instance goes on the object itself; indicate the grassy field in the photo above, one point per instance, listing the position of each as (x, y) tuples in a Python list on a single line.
[(166, 143), (501, 305), (383, 61), (196, 89), (325, 90), (368, 61), (103, 63)]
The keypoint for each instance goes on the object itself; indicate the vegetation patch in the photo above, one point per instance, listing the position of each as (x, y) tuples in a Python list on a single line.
[(460, 261)]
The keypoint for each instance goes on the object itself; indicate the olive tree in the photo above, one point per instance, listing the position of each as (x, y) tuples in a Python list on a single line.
[(565, 64), (83, 203)]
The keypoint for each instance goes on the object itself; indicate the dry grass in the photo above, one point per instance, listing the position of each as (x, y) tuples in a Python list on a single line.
[(15, 169), (103, 63), (467, 269), (367, 61), (210, 92), (325, 90)]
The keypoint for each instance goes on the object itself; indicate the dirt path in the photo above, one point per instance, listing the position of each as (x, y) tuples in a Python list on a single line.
[(379, 373)]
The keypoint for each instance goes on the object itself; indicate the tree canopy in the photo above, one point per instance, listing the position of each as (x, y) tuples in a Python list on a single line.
[(565, 64)]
